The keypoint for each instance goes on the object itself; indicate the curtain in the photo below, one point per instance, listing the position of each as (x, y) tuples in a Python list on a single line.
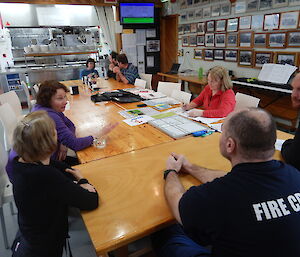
[(106, 21)]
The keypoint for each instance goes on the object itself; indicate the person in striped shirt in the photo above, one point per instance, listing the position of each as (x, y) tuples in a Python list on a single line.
[(125, 72)]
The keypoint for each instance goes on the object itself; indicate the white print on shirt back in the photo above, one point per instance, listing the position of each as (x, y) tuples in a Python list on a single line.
[(277, 208)]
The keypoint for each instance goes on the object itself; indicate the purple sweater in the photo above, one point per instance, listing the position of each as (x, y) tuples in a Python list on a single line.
[(65, 135)]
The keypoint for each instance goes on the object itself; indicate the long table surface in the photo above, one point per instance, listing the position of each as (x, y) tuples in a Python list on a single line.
[(130, 185), (89, 118)]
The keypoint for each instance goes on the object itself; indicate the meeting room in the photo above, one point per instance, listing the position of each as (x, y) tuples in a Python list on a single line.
[(157, 128)]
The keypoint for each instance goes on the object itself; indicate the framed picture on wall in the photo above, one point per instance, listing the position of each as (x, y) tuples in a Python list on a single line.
[(209, 39), (215, 10), (276, 40), (186, 28), (189, 3), (183, 16), (199, 13), (252, 5), (208, 54), (206, 12), (185, 41), (193, 27), (225, 9), (220, 39), (245, 58), (221, 25), (271, 21), (245, 22), (219, 54), (257, 22), (286, 58), (232, 24), (240, 6), (210, 26), (246, 39), (280, 3), (198, 54), (182, 4), (197, 2), (294, 2), (230, 55), (191, 15), (201, 27), (193, 40), (265, 4), (289, 20), (260, 40), (262, 57), (293, 39), (200, 40), (232, 39), (180, 29)]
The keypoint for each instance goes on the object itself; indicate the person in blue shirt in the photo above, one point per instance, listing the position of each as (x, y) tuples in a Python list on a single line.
[(90, 70), (253, 210), (125, 72)]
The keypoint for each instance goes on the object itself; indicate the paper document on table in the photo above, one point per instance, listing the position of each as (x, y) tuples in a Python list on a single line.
[(201, 119), (138, 120), (276, 73), (164, 100), (153, 95), (278, 144), (217, 126), (131, 113), (177, 110)]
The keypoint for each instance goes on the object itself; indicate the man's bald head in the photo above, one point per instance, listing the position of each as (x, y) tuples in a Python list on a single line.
[(254, 132), (296, 91)]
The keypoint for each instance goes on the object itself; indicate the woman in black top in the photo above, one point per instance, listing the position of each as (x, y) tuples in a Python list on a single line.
[(43, 189)]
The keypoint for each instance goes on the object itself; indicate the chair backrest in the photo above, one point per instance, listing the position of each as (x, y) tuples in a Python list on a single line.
[(140, 83), (148, 78), (26, 90), (181, 96), (12, 98), (3, 175), (245, 101), (168, 87), (8, 121)]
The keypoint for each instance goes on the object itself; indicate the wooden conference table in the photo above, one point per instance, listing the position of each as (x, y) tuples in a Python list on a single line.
[(89, 118), (130, 183)]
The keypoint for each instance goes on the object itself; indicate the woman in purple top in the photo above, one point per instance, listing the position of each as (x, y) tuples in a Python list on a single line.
[(52, 98)]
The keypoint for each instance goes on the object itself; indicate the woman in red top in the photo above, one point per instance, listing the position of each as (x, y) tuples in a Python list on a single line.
[(217, 98)]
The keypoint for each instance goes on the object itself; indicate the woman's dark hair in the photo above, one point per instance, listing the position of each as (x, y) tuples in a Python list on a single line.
[(122, 58), (47, 90), (90, 60), (113, 55)]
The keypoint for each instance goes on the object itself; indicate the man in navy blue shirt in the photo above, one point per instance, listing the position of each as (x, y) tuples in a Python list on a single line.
[(254, 210), (125, 72), (290, 148)]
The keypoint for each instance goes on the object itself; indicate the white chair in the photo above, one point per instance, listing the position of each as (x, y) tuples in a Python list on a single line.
[(140, 83), (12, 98), (6, 193), (148, 78), (8, 122), (245, 101), (30, 102), (35, 89), (168, 87), (181, 96)]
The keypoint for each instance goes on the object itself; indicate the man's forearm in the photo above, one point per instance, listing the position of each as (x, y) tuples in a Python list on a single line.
[(123, 78), (173, 192), (203, 174)]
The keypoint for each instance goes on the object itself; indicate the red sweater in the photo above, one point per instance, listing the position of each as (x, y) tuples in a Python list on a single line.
[(217, 106)]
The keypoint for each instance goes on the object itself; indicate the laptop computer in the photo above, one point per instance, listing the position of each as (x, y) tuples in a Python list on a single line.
[(174, 69)]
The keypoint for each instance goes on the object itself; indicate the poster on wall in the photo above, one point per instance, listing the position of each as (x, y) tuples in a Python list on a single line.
[(153, 46)]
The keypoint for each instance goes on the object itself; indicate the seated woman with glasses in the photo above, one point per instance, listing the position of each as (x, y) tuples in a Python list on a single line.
[(44, 189), (217, 99)]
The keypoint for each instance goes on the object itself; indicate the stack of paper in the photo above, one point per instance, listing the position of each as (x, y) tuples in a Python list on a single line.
[(138, 120), (131, 113)]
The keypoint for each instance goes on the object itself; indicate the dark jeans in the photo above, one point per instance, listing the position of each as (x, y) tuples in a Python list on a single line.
[(173, 242)]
